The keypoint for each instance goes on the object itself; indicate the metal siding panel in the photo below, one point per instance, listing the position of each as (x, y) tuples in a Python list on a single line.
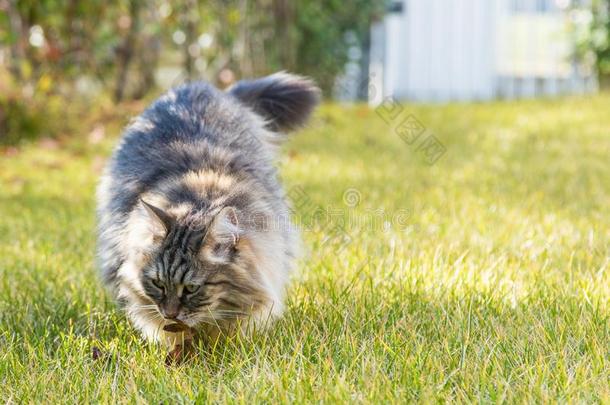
[(440, 50), (376, 64), (416, 51), (465, 50), (441, 85), (434, 50), (393, 48)]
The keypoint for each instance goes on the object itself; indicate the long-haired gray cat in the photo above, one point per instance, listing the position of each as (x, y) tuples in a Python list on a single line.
[(193, 224)]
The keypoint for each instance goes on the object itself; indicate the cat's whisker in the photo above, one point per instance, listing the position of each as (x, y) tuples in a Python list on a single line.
[(224, 317), (158, 316), (144, 306), (153, 313), (158, 330), (229, 312)]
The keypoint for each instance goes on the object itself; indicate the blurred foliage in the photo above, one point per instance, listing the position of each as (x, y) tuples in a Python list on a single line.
[(52, 49), (321, 29), (29, 112), (593, 37)]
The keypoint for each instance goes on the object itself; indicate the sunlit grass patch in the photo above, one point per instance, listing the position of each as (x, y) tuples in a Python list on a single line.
[(492, 286)]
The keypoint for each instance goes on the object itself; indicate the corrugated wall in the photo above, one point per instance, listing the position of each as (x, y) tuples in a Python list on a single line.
[(445, 50), (441, 50)]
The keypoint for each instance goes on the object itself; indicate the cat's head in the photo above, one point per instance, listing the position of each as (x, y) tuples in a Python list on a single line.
[(197, 266)]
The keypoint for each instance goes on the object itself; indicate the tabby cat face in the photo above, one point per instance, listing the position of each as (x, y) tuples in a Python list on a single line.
[(190, 276)]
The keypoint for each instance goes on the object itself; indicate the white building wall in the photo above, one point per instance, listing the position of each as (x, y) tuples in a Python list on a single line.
[(446, 50), (439, 50)]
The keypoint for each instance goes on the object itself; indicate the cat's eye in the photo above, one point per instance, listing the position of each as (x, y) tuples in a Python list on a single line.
[(158, 284), (191, 288)]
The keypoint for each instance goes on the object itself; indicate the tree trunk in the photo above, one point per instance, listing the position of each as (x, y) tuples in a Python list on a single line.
[(148, 62), (126, 50), (149, 50), (191, 17), (363, 82), (18, 32), (283, 13)]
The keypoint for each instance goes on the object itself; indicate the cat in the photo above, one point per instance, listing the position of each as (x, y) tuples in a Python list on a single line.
[(193, 226)]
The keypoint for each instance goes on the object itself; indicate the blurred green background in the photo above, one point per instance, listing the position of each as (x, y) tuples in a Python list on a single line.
[(53, 53), (62, 59)]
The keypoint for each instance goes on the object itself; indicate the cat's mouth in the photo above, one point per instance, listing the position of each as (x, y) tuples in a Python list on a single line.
[(176, 327)]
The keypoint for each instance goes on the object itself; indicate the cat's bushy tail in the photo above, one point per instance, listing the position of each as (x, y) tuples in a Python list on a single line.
[(284, 100)]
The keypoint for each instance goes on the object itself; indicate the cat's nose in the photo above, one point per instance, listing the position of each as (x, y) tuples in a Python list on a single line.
[(171, 313)]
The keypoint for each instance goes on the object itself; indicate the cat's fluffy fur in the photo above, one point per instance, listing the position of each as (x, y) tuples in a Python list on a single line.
[(190, 201)]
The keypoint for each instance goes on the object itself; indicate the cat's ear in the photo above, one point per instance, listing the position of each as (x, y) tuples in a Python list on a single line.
[(223, 236), (161, 222), (285, 100)]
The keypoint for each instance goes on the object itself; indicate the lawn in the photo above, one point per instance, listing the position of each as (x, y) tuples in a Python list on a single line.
[(482, 276)]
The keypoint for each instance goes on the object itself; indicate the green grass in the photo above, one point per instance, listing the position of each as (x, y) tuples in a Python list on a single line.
[(495, 288)]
